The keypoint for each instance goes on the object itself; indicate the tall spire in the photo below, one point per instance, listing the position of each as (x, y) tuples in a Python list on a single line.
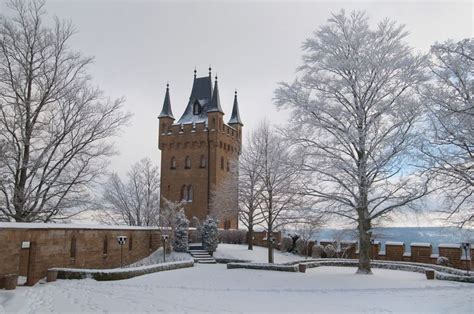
[(215, 102), (166, 111), (235, 117)]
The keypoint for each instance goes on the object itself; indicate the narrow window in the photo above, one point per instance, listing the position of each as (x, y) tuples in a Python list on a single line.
[(213, 124), (202, 164), (228, 166), (150, 242), (130, 243), (73, 247), (105, 247), (190, 193), (196, 108), (222, 163), (184, 193), (173, 162), (220, 144), (188, 163)]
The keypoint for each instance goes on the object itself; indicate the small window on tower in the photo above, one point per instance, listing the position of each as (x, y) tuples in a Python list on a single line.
[(184, 193), (202, 164), (188, 163), (173, 163), (196, 108), (190, 194), (222, 163)]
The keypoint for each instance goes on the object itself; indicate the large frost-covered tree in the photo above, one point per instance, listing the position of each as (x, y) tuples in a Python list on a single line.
[(354, 117), (55, 125), (135, 202), (450, 151)]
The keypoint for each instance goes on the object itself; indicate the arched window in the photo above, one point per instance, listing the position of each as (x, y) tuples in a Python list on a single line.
[(130, 243), (187, 164), (222, 163), (202, 164), (173, 163), (184, 193), (72, 252), (228, 166), (190, 193), (105, 247), (213, 124), (196, 108)]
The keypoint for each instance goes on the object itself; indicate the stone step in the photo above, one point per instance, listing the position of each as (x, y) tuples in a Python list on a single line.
[(207, 262)]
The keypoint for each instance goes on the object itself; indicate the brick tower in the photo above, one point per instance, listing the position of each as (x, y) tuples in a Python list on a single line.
[(197, 151)]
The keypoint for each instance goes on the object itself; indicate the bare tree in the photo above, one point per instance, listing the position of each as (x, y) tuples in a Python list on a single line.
[(249, 189), (450, 150), (281, 181), (56, 126), (135, 202), (355, 118)]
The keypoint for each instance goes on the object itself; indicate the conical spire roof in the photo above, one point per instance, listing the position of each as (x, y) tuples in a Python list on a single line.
[(215, 102), (235, 117), (166, 111)]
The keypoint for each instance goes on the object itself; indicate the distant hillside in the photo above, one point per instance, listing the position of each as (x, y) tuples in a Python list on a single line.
[(433, 235)]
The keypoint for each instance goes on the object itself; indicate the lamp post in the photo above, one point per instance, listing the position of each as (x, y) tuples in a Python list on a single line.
[(121, 240), (467, 248), (164, 238)]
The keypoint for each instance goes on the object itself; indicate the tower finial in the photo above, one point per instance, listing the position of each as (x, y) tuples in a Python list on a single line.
[(195, 72), (167, 84), (216, 77), (210, 71)]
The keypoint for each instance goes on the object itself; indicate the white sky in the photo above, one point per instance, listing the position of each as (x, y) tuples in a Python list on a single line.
[(140, 45)]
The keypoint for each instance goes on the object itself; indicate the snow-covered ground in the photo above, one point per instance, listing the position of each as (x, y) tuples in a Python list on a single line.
[(258, 254), (213, 288)]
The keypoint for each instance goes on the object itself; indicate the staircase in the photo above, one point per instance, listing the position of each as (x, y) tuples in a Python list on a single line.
[(200, 256)]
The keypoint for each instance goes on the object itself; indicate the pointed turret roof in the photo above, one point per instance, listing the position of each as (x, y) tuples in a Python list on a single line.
[(235, 117), (166, 111), (216, 101)]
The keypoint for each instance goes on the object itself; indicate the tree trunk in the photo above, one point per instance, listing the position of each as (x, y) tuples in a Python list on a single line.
[(364, 243), (270, 244), (250, 238)]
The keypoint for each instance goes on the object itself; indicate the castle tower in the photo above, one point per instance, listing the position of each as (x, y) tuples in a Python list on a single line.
[(198, 150)]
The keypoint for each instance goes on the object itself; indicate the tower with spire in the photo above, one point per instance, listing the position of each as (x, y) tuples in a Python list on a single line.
[(199, 152)]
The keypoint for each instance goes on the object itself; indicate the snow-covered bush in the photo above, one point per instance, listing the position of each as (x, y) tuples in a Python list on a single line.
[(181, 225), (210, 236), (286, 244), (443, 261), (318, 251), (330, 251), (301, 246)]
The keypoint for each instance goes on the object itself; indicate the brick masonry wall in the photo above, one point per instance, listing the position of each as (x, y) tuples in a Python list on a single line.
[(419, 254), (52, 248)]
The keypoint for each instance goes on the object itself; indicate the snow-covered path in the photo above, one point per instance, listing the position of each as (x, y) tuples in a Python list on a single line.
[(213, 288)]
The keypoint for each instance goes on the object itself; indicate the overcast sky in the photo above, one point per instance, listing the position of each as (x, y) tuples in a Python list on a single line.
[(141, 45)]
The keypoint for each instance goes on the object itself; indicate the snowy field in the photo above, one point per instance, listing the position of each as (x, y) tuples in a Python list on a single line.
[(213, 288), (258, 254)]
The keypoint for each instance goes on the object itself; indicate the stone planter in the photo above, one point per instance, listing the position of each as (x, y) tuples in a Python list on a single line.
[(10, 281), (302, 268), (52, 275), (430, 274)]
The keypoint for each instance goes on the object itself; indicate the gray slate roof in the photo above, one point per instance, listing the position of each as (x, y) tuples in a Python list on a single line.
[(235, 117), (166, 111), (202, 94)]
